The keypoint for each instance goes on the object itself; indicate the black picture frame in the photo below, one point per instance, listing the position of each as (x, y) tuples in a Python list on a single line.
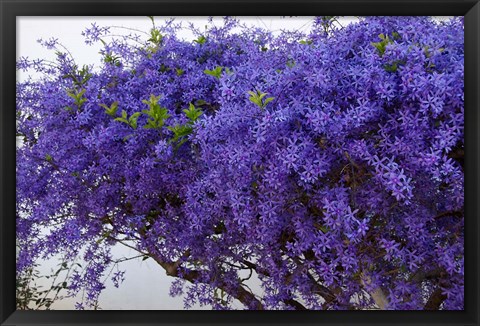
[(10, 9)]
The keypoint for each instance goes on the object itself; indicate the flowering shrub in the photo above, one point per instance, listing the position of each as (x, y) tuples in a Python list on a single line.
[(328, 165)]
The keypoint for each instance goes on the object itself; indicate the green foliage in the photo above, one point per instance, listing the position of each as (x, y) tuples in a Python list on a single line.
[(200, 40), (156, 114), (180, 133), (193, 113), (79, 77), (123, 118), (396, 35), (322, 228), (155, 37), (78, 97), (111, 59), (131, 121), (306, 42), (200, 102), (392, 67), (217, 72), (258, 99), (164, 68), (385, 40), (112, 110), (179, 71)]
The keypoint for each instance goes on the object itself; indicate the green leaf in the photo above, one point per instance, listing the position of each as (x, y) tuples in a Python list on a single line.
[(157, 114), (77, 96), (180, 131), (193, 113), (268, 100), (382, 45), (153, 100), (112, 110), (123, 118), (48, 158), (322, 228), (132, 121), (80, 94), (391, 67), (306, 42), (379, 46), (217, 72), (112, 59), (72, 95), (179, 71), (257, 98), (163, 113), (164, 68), (200, 102), (155, 37), (150, 125), (200, 40)]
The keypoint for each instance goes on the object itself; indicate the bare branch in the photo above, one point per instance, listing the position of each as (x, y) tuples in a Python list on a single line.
[(240, 293), (377, 295), (435, 300)]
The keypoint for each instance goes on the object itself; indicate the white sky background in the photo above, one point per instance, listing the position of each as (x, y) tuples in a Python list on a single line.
[(146, 286), (68, 31)]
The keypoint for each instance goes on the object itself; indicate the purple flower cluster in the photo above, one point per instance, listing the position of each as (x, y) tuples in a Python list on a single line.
[(327, 165)]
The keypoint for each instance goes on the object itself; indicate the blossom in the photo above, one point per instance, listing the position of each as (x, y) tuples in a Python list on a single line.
[(342, 173)]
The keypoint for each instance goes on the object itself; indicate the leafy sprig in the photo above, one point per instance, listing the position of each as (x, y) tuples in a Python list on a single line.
[(156, 114), (112, 109), (193, 113), (78, 97), (257, 98), (217, 72), (131, 121)]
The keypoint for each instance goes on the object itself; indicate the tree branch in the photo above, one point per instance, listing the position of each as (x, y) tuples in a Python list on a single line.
[(458, 214), (435, 300), (318, 289), (321, 290), (240, 293), (377, 295), (297, 305), (421, 275)]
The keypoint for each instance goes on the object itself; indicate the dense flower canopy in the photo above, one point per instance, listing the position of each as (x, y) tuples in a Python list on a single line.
[(327, 165)]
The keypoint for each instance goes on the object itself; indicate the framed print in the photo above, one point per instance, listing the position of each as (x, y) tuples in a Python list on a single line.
[(166, 161)]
